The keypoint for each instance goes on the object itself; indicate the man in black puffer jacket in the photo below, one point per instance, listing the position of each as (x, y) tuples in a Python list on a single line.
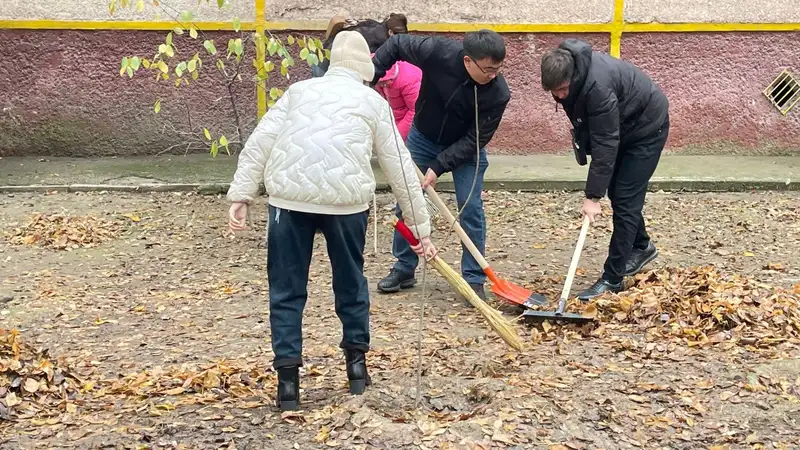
[(443, 136), (620, 118)]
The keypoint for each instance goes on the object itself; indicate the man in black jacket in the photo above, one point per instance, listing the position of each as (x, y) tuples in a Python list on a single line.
[(442, 139), (620, 118)]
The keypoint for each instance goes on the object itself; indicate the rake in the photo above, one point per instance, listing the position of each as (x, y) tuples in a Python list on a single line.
[(503, 289), (500, 324)]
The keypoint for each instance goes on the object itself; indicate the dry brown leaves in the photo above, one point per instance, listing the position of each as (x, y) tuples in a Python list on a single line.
[(705, 306), (64, 232), (30, 382), (201, 384)]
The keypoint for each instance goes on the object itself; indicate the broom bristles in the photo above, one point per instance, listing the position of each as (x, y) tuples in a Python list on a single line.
[(500, 324)]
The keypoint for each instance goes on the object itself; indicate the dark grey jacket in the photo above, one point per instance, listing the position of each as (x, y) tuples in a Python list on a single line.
[(612, 105)]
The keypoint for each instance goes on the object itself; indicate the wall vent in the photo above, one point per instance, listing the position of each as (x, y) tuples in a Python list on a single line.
[(783, 92)]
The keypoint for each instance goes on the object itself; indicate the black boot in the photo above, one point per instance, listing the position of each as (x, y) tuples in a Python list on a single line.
[(599, 288), (357, 370), (289, 388), (396, 280), (640, 258)]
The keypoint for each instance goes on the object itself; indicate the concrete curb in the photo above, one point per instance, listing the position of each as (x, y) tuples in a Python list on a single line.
[(686, 185)]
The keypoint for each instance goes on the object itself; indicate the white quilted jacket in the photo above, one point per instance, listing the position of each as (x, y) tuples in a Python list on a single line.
[(313, 147)]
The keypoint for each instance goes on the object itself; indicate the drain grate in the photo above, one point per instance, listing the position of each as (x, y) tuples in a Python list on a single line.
[(783, 92)]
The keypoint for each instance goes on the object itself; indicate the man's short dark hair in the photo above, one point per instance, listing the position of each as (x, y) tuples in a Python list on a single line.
[(483, 44), (557, 68)]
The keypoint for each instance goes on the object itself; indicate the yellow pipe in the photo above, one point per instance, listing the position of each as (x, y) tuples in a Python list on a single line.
[(261, 50), (617, 24), (115, 25), (694, 27), (439, 27)]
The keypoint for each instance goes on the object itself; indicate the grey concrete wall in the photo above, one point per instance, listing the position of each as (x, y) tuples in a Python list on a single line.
[(515, 11), (761, 11), (98, 10)]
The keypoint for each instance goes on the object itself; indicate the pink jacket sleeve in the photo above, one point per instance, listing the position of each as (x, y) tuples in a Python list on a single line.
[(409, 81)]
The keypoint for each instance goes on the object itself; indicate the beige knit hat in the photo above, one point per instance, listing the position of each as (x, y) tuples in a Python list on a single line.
[(350, 50)]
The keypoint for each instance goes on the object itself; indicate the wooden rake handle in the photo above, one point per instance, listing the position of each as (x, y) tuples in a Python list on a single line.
[(576, 256), (452, 220)]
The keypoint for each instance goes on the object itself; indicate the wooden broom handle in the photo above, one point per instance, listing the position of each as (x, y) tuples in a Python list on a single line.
[(576, 256), (452, 220)]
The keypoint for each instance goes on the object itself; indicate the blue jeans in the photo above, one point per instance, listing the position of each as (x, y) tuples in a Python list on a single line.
[(472, 219), (290, 243)]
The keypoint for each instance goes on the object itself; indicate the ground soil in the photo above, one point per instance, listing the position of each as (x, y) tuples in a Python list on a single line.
[(173, 294)]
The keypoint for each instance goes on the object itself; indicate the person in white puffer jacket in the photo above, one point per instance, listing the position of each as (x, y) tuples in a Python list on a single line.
[(312, 150)]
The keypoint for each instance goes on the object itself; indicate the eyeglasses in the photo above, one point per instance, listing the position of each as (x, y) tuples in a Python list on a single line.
[(487, 71)]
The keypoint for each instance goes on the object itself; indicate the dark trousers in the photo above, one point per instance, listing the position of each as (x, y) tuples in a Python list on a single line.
[(472, 218), (635, 166), (290, 242)]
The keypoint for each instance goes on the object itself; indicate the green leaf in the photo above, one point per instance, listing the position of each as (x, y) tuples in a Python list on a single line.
[(318, 42), (192, 66), (290, 39), (169, 38), (237, 24), (327, 54), (186, 16), (312, 59), (170, 52), (195, 75), (220, 65), (320, 55), (178, 30), (162, 48), (220, 3), (162, 66), (301, 42), (269, 66), (214, 148), (135, 62), (312, 45), (180, 68), (207, 133), (272, 46), (112, 7), (157, 106), (285, 62), (193, 32), (140, 6), (124, 65), (146, 63), (284, 71), (273, 93), (223, 141), (303, 53), (270, 103), (130, 72), (238, 47), (209, 45)]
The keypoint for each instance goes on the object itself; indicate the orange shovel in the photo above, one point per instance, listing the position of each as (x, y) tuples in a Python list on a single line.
[(503, 289)]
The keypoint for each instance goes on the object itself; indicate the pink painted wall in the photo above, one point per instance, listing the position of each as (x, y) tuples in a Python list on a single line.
[(61, 94)]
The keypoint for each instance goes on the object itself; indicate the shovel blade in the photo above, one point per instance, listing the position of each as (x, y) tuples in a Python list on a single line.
[(516, 294)]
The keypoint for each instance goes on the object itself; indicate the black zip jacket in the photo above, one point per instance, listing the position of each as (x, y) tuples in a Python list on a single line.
[(612, 105), (445, 108)]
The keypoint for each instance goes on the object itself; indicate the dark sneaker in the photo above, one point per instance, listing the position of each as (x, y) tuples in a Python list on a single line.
[(289, 388), (357, 374), (396, 280), (640, 258), (599, 288)]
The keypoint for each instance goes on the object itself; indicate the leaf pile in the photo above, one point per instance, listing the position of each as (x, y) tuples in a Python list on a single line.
[(64, 232), (704, 306), (210, 383), (30, 381)]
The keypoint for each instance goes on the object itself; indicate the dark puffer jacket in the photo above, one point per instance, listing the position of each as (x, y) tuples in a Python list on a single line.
[(445, 109), (612, 105)]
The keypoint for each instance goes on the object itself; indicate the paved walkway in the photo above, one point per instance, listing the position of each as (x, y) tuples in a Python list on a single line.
[(529, 173)]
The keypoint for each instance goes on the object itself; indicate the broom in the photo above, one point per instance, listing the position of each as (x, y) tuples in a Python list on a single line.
[(500, 324)]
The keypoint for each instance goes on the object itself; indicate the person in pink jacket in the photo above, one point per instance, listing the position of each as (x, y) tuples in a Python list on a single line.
[(400, 87)]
